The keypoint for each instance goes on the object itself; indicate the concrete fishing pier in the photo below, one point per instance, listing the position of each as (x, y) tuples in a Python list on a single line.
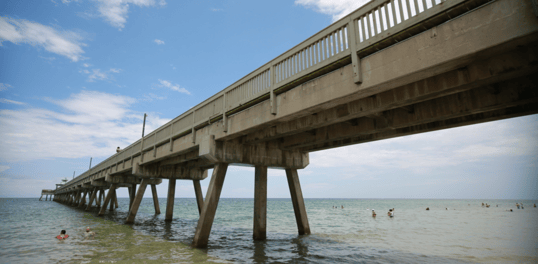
[(386, 70)]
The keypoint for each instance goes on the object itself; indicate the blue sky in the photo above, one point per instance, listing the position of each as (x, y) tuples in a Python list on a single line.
[(76, 78)]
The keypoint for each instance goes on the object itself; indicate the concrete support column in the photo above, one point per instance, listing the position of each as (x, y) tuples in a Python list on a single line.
[(260, 203), (76, 198), (137, 201), (113, 200), (155, 199), (99, 198), (170, 200), (298, 201), (83, 199), (107, 199), (199, 195), (92, 198), (132, 194), (116, 199), (41, 197), (201, 236)]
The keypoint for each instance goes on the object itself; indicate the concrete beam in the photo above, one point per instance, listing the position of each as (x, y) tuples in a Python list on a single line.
[(520, 110), (508, 94), (512, 64)]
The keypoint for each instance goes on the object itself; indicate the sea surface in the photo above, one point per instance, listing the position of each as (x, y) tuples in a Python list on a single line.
[(452, 231)]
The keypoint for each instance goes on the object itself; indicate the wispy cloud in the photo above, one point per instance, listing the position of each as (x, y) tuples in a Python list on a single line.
[(4, 87), (151, 97), (7, 101), (173, 87), (115, 11), (89, 123), (336, 9), (4, 168), (64, 43), (159, 42), (98, 75), (216, 9), (86, 65), (48, 58)]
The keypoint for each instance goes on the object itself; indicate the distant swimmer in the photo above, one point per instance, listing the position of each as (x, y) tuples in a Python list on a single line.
[(446, 208), (509, 210), (534, 205), (482, 204), (390, 213), (88, 233), (427, 208), (373, 213), (62, 235), (517, 205)]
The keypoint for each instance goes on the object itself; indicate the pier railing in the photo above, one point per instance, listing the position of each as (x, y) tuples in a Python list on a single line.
[(375, 25)]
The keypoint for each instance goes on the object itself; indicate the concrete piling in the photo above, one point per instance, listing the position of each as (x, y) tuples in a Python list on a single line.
[(260, 203), (199, 195), (201, 236), (155, 199), (298, 202), (137, 201)]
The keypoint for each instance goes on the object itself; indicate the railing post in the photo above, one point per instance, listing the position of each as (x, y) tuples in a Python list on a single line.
[(355, 60), (272, 93), (224, 117), (193, 130)]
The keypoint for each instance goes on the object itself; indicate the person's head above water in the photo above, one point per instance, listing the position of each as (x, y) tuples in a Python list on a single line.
[(88, 229), (62, 232)]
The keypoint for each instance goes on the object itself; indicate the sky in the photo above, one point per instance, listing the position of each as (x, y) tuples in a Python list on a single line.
[(77, 76)]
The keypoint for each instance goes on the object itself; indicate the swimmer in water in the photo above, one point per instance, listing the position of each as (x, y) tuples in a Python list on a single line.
[(373, 213), (427, 208), (534, 205), (390, 213), (62, 235), (88, 233)]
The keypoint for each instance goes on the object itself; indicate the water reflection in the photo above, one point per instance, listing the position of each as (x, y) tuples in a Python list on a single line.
[(260, 255)]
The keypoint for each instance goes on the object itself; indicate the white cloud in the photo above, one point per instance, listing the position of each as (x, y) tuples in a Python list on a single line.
[(86, 65), (4, 168), (64, 43), (115, 11), (159, 42), (89, 123), (4, 87), (336, 9), (173, 87), (151, 97), (97, 74), (7, 101)]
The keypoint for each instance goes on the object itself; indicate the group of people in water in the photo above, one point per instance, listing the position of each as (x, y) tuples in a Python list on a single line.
[(390, 213), (88, 234)]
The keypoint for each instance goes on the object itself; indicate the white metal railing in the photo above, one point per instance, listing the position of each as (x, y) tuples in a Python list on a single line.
[(371, 23)]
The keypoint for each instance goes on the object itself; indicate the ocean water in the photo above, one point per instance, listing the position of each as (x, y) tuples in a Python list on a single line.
[(452, 231)]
